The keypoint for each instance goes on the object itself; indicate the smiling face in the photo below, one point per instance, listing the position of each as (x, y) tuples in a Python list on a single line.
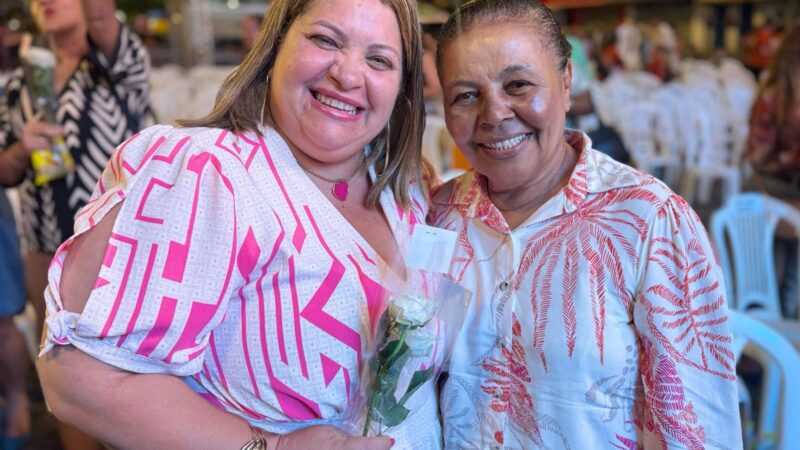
[(57, 16), (336, 77), (505, 103)]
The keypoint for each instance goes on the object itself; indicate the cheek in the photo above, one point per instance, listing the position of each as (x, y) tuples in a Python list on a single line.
[(458, 125), (384, 91), (538, 103), (542, 109)]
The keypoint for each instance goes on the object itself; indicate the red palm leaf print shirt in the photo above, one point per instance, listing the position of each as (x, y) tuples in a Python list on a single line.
[(600, 322)]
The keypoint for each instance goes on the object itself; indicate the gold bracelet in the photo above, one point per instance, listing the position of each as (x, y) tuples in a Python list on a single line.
[(258, 440)]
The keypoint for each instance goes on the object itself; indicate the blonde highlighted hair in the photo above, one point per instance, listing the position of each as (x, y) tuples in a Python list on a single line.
[(240, 100)]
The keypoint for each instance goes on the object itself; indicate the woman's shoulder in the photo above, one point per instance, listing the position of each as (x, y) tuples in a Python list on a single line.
[(158, 139), (627, 183), (167, 152), (455, 190)]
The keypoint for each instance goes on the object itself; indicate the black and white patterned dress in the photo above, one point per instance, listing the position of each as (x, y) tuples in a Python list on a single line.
[(104, 102)]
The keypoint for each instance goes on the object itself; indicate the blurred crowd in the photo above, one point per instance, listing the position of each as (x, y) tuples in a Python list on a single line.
[(635, 92)]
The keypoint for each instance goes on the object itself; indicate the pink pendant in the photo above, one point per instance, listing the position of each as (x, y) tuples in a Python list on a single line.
[(340, 189)]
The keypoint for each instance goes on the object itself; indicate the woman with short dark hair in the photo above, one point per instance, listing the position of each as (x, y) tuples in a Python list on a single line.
[(599, 315)]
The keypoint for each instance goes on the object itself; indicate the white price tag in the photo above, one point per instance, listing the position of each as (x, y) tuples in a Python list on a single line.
[(431, 248)]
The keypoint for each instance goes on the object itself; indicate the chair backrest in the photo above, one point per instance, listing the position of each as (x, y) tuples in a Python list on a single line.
[(743, 231), (769, 348), (637, 125)]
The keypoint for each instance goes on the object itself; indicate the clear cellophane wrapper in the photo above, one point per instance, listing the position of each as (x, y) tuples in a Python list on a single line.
[(409, 347)]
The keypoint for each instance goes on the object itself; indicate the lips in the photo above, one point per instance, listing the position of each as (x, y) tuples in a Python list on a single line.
[(338, 104), (333, 103), (507, 143)]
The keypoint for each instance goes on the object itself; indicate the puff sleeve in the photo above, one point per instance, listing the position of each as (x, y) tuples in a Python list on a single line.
[(168, 268)]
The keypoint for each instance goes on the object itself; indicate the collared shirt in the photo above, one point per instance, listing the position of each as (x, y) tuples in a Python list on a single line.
[(227, 265), (104, 102), (600, 322)]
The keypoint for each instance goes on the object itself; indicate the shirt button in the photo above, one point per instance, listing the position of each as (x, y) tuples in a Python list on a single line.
[(504, 286)]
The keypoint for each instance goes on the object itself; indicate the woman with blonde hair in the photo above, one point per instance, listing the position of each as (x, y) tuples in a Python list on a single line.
[(222, 282)]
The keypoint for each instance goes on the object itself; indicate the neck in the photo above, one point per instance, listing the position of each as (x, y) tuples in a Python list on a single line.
[(70, 45), (331, 171), (527, 198)]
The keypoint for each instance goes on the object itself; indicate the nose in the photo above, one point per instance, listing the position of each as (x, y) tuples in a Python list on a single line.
[(348, 71), (494, 110)]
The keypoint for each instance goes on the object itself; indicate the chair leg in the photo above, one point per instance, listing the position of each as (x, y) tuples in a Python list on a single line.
[(771, 402)]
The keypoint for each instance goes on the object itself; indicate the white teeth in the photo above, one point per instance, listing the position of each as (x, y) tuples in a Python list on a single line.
[(335, 103), (508, 143)]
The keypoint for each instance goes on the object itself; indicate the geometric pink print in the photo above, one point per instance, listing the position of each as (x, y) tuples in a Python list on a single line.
[(228, 266)]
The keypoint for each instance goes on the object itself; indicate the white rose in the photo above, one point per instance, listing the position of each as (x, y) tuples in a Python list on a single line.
[(411, 310), (421, 342)]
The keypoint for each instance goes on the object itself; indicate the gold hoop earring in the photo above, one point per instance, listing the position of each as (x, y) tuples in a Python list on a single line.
[(386, 150), (264, 103)]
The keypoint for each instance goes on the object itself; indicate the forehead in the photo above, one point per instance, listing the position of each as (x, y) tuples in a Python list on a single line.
[(491, 47), (375, 12)]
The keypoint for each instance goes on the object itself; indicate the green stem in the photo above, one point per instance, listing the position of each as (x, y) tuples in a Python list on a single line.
[(382, 367)]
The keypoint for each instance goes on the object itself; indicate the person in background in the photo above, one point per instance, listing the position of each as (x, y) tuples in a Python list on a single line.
[(607, 57), (760, 46), (629, 44), (662, 50), (223, 281), (773, 151), (101, 75), (14, 360), (598, 318), (581, 114), (251, 29)]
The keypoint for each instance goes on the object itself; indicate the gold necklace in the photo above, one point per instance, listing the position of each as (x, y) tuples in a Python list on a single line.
[(341, 187)]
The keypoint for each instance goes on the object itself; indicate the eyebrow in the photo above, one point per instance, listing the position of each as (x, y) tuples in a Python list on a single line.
[(511, 69), (341, 35)]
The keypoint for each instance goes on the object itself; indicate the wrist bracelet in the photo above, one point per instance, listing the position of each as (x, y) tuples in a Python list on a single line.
[(258, 441)]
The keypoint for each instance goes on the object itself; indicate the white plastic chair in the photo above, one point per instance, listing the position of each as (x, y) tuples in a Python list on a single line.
[(780, 400), (743, 231), (638, 125), (708, 154)]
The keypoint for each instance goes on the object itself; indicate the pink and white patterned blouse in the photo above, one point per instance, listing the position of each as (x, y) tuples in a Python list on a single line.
[(227, 266), (600, 322)]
